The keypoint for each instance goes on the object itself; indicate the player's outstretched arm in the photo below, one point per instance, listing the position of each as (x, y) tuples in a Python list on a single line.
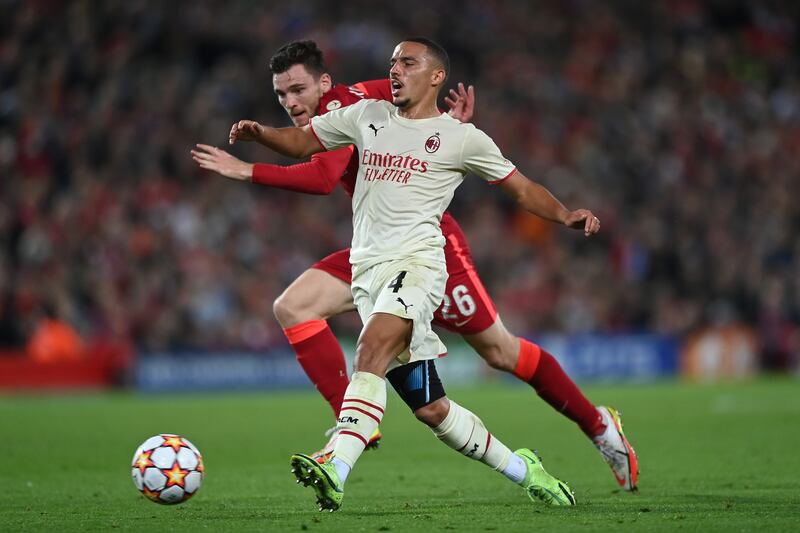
[(292, 142), (537, 200), (318, 176)]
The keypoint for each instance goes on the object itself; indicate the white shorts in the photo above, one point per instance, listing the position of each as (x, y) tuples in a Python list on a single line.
[(407, 290)]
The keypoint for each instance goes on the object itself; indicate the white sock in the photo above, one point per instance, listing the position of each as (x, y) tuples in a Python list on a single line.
[(361, 413), (465, 433), (516, 469), (342, 468)]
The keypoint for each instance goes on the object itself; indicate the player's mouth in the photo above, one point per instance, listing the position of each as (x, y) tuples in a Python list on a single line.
[(396, 86), (301, 116)]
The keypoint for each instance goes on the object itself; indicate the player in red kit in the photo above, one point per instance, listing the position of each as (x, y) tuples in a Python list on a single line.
[(305, 89)]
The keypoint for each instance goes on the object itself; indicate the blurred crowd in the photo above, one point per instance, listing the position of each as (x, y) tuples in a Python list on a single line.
[(677, 122)]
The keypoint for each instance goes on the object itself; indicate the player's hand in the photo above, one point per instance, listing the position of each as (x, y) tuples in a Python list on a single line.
[(461, 103), (245, 130), (583, 219), (221, 162)]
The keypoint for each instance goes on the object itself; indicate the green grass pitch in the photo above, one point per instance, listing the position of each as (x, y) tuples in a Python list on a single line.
[(713, 458)]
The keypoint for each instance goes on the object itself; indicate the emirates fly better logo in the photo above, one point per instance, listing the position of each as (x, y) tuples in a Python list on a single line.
[(390, 167), (433, 142)]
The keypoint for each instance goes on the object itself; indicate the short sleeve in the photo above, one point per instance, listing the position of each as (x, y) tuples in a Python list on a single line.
[(481, 156), (338, 128)]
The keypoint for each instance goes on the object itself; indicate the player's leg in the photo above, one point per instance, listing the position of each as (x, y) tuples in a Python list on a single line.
[(538, 368), (468, 310), (419, 386), (302, 310), (389, 300), (383, 337)]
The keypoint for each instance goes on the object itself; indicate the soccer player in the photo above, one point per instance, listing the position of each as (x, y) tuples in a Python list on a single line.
[(406, 178), (305, 89)]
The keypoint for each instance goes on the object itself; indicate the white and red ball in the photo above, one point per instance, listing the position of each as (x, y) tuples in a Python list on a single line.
[(167, 469)]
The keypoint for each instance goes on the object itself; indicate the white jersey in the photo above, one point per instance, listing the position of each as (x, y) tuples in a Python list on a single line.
[(408, 172)]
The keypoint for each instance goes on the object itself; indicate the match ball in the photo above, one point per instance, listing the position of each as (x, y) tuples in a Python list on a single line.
[(168, 469)]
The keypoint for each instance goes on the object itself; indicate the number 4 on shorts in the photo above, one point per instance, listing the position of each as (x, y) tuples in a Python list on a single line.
[(397, 282)]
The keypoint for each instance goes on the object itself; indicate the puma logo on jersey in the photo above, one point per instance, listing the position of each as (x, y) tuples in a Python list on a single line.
[(404, 304), (373, 128)]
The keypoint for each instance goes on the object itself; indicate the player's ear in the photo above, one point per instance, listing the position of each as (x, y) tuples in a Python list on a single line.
[(325, 82), (438, 76)]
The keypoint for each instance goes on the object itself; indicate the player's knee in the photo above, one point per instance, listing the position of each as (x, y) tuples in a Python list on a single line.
[(434, 413), (285, 311), (379, 343), (368, 350), (290, 310)]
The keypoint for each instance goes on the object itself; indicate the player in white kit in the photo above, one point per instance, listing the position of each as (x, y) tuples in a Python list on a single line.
[(412, 159)]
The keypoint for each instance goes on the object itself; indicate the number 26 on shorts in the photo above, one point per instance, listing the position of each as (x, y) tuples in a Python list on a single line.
[(464, 303)]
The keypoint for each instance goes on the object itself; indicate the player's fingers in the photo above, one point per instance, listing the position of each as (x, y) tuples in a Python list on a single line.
[(575, 217), (201, 150), (461, 90), (201, 163), (207, 147), (592, 224), (207, 162), (204, 157), (205, 151)]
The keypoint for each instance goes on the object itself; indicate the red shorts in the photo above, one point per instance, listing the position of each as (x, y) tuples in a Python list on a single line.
[(466, 308)]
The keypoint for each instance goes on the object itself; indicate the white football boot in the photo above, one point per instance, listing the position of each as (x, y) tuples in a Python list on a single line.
[(616, 450)]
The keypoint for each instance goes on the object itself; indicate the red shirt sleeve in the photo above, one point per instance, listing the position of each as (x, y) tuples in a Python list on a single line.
[(318, 176), (376, 89)]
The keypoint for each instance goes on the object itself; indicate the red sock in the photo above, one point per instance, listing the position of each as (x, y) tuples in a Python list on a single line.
[(542, 372), (319, 353)]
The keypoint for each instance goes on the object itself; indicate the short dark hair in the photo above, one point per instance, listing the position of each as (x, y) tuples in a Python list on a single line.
[(435, 50), (305, 53)]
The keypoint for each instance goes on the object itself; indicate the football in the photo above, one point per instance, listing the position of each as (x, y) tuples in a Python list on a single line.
[(168, 469)]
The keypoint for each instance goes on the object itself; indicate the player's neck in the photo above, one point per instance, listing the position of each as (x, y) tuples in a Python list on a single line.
[(423, 109)]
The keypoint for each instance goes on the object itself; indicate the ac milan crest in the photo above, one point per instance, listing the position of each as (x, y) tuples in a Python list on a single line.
[(433, 142)]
